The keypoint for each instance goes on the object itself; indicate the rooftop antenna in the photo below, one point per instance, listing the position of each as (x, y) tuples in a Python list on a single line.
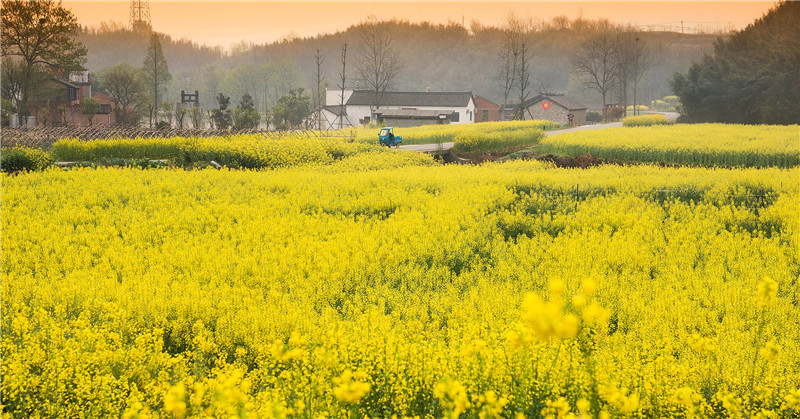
[(140, 15)]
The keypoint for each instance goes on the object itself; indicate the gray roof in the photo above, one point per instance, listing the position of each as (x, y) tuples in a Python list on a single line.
[(443, 99), (68, 84), (565, 102), (337, 110), (411, 113)]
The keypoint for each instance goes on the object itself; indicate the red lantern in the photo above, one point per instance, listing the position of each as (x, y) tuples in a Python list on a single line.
[(545, 105)]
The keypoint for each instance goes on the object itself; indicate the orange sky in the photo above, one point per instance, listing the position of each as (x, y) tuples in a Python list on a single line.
[(226, 23)]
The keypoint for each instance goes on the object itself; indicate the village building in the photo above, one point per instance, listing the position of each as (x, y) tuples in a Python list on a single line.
[(65, 106), (402, 109), (549, 107), (486, 110)]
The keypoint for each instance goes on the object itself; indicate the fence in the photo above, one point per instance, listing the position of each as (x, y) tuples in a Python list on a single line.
[(44, 137)]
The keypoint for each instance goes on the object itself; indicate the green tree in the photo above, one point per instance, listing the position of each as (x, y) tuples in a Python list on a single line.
[(45, 113), (125, 84), (167, 112), (6, 109), (39, 36), (90, 107), (245, 115), (221, 116), (751, 77), (180, 114), (156, 73), (292, 108)]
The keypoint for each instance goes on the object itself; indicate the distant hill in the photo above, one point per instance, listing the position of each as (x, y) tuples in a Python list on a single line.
[(440, 57)]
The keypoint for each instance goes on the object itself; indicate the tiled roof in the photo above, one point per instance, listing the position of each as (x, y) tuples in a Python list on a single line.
[(443, 99), (411, 113), (337, 110), (565, 102)]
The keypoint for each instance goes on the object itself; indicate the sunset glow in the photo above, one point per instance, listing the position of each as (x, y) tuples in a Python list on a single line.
[(228, 23)]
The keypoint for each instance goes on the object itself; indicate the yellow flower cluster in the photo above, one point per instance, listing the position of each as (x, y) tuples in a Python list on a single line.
[(431, 134), (350, 387), (486, 291), (244, 151), (644, 120), (722, 145)]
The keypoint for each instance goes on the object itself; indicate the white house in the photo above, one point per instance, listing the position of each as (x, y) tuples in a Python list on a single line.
[(398, 108)]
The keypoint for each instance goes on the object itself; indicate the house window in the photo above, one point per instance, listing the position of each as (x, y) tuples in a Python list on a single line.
[(105, 109), (454, 117), (470, 115), (73, 94), (485, 115)]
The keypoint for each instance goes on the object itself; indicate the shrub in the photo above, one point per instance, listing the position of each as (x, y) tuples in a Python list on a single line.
[(24, 158), (638, 108), (644, 120)]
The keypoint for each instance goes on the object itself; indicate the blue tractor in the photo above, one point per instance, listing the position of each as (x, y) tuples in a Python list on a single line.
[(387, 138)]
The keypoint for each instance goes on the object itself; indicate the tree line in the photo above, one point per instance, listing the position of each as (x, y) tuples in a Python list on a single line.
[(752, 77), (283, 82)]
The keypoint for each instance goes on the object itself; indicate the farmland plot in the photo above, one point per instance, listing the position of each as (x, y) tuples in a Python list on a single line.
[(359, 288)]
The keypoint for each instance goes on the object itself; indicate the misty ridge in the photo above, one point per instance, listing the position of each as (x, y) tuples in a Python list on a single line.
[(439, 57)]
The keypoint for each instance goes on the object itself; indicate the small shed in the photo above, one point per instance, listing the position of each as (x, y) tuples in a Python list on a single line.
[(412, 117)]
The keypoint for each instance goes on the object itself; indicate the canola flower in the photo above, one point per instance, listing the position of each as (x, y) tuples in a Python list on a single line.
[(721, 145), (644, 120), (483, 291), (484, 134), (247, 151), (350, 387)]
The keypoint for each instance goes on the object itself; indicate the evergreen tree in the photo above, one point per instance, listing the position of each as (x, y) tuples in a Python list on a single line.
[(222, 115), (156, 72), (292, 108), (245, 116)]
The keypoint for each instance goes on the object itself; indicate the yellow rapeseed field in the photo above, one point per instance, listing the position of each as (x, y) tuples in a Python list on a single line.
[(469, 137), (728, 145), (366, 288)]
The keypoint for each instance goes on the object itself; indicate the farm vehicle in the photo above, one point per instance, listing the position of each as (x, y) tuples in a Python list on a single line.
[(386, 137)]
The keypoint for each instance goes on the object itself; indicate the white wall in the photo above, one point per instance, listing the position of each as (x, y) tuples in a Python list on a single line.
[(466, 114), (334, 96)]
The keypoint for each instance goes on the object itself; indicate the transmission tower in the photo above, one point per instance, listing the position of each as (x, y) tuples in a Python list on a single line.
[(140, 15)]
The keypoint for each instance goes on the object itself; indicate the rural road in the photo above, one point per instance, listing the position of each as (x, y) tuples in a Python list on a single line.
[(431, 148)]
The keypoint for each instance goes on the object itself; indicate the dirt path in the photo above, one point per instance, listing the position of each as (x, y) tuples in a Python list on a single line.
[(433, 148)]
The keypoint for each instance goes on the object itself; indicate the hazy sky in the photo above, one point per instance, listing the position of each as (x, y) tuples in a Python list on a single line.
[(226, 23)]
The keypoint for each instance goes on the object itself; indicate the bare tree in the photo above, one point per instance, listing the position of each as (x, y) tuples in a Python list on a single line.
[(524, 82), (544, 84), (595, 63), (630, 54), (341, 114), (512, 35), (320, 80), (379, 63)]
